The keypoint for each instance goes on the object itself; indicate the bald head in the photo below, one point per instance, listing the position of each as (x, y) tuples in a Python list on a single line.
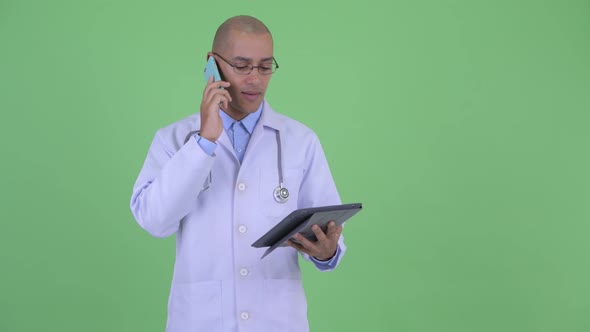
[(242, 23)]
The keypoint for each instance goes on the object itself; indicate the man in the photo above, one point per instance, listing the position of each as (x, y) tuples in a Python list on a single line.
[(210, 179)]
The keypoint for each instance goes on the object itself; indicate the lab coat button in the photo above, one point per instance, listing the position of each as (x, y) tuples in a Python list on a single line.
[(242, 229), (241, 187), (244, 272), (244, 315)]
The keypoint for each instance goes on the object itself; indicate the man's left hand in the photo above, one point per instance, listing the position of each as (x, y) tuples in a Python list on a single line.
[(324, 248)]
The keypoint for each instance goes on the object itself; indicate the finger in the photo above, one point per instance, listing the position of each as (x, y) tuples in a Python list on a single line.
[(219, 94), (307, 244), (225, 102), (339, 230), (208, 86), (218, 84), (211, 91), (317, 230), (213, 87), (332, 230), (298, 247), (218, 98), (291, 244), (294, 244), (227, 95)]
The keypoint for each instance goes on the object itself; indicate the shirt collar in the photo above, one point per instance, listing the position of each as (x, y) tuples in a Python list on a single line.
[(249, 121)]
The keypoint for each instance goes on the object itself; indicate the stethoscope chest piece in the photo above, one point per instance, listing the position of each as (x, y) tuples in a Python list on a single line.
[(281, 194)]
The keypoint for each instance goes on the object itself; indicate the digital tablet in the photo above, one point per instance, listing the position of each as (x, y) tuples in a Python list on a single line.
[(301, 220)]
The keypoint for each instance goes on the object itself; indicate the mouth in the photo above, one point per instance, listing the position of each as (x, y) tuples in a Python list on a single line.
[(251, 95)]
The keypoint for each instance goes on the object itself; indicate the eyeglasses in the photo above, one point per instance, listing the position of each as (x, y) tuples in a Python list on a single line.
[(246, 68)]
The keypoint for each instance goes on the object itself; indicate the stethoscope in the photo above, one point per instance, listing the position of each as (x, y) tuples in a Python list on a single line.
[(280, 193)]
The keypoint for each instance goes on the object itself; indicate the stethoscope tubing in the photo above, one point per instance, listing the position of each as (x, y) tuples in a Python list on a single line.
[(281, 194)]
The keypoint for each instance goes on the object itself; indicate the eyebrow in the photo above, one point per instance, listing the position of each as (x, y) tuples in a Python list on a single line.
[(240, 58)]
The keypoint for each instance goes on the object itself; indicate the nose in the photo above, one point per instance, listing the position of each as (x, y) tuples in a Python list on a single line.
[(254, 76)]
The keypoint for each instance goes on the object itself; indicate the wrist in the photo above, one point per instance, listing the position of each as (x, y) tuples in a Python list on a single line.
[(326, 259), (209, 137)]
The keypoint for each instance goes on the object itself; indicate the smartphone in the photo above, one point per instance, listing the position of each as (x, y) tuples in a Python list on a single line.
[(211, 70)]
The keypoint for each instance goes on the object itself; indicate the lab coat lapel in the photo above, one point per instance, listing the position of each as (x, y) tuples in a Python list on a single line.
[(225, 142), (268, 118)]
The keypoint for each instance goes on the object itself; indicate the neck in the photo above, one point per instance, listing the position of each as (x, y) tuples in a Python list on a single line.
[(237, 114)]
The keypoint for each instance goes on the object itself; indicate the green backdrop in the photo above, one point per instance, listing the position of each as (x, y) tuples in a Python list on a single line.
[(461, 125)]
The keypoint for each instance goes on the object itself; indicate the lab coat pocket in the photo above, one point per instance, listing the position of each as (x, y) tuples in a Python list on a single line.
[(286, 305), (269, 181), (195, 306)]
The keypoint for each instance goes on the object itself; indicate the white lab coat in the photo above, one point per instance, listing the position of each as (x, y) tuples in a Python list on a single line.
[(220, 283)]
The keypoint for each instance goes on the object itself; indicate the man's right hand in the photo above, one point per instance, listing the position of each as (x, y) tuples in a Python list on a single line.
[(214, 98)]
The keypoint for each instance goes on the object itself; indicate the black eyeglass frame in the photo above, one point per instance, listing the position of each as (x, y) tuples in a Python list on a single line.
[(249, 66)]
